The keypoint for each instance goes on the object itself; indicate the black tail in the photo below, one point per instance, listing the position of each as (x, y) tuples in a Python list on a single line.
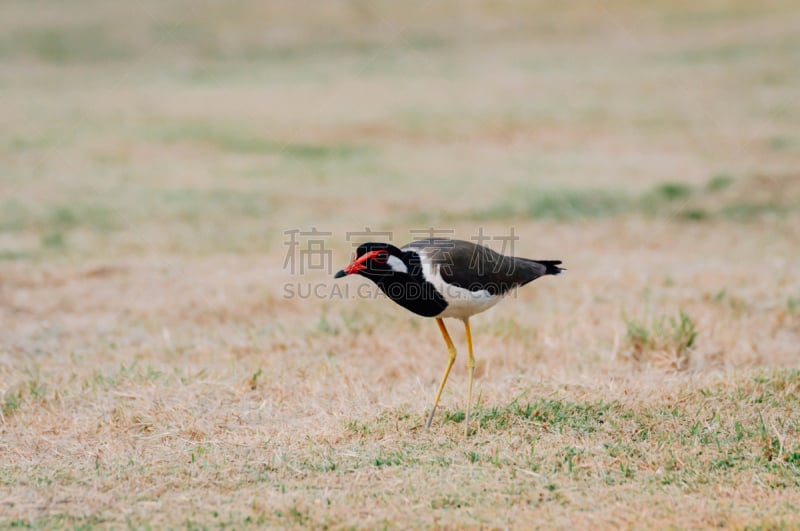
[(551, 266)]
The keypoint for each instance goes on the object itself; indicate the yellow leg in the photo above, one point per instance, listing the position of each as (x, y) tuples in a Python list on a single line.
[(471, 369), (451, 351)]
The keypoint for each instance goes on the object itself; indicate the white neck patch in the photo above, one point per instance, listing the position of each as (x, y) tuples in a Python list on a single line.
[(397, 265)]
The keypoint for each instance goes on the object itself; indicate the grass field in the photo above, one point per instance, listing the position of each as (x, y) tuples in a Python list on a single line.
[(162, 365)]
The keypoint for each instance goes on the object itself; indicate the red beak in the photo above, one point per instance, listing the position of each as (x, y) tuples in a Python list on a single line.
[(357, 264)]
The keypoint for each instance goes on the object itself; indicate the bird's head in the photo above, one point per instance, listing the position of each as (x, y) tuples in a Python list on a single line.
[(375, 259)]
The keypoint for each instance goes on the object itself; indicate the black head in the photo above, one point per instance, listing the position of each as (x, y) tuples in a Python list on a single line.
[(374, 259)]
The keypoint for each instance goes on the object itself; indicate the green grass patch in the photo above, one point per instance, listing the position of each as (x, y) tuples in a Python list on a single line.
[(672, 335), (232, 139), (551, 415), (721, 197), (93, 216), (14, 216), (573, 205), (11, 402), (54, 240), (10, 255), (576, 204), (784, 143), (201, 206), (719, 54), (558, 204), (750, 210), (719, 182), (55, 218), (672, 191), (66, 45), (694, 214), (793, 305), (709, 435), (192, 219)]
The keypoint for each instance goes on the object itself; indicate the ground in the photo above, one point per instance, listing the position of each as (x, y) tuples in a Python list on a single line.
[(169, 359)]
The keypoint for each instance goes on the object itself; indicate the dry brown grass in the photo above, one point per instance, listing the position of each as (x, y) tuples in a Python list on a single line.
[(153, 372)]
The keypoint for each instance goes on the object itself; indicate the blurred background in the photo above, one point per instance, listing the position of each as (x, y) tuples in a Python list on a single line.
[(209, 127)]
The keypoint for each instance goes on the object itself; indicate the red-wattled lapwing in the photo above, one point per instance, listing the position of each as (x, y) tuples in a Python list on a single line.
[(446, 278)]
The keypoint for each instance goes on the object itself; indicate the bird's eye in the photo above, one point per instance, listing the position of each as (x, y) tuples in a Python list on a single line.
[(382, 257)]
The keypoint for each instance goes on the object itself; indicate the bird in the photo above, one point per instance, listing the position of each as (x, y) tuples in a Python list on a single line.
[(446, 278)]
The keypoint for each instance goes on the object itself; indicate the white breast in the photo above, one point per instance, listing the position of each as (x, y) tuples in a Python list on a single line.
[(461, 303)]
